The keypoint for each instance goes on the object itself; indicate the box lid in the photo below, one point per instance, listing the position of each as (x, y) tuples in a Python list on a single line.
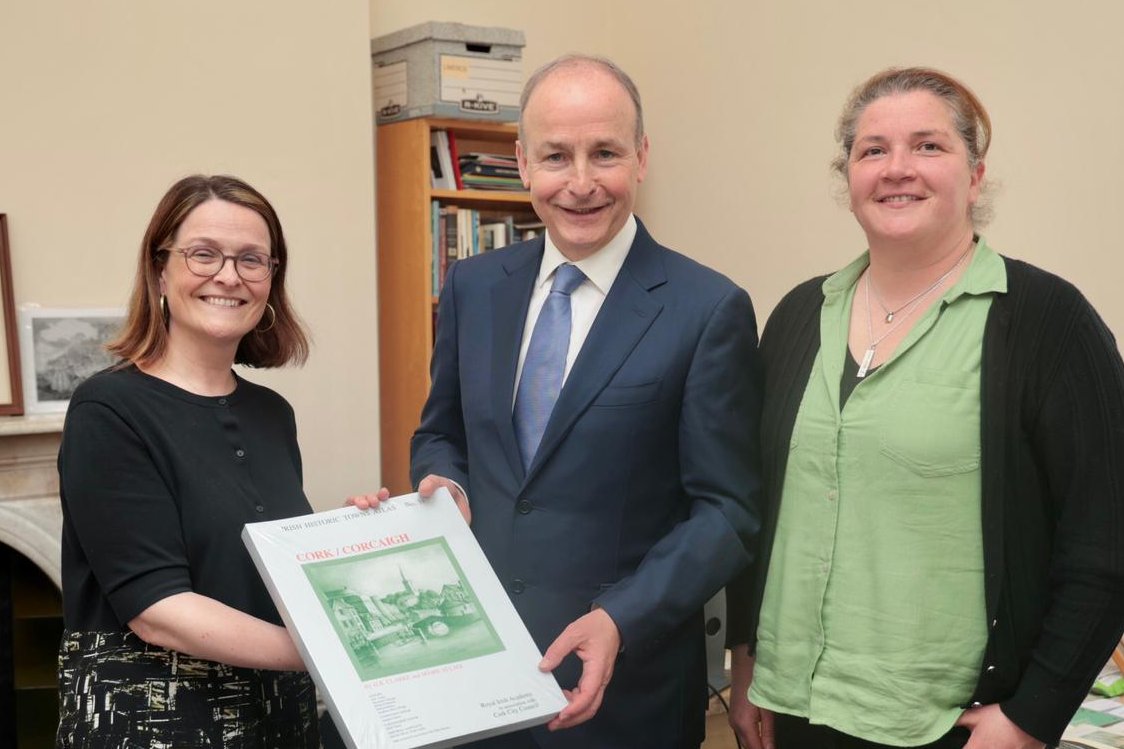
[(444, 31)]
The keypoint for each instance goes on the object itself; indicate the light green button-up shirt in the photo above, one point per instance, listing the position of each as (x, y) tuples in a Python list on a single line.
[(873, 620)]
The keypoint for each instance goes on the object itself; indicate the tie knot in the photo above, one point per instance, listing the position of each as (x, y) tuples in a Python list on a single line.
[(567, 278)]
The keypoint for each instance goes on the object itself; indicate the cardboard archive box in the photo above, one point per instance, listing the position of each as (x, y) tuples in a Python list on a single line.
[(448, 70)]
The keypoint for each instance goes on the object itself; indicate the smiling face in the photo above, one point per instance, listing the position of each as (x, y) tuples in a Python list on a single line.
[(909, 175), (580, 159), (216, 311)]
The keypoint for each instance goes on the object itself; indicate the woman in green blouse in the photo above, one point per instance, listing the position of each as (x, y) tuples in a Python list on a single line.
[(944, 427)]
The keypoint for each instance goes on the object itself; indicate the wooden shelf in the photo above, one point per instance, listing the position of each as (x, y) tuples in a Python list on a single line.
[(482, 198), (501, 132), (405, 250)]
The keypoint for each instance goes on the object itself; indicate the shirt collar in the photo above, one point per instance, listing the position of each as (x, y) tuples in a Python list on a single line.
[(842, 280), (601, 268), (986, 273)]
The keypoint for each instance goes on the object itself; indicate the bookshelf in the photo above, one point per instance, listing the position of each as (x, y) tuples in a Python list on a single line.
[(407, 304)]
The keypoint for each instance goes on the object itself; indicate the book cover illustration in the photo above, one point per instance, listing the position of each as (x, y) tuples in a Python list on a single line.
[(408, 608)]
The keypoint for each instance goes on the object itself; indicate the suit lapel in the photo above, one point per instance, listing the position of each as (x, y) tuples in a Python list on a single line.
[(626, 314), (510, 297)]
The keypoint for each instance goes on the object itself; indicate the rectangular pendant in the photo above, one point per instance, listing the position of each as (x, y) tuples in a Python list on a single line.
[(864, 365)]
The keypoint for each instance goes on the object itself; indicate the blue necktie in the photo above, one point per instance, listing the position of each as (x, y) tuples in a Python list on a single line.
[(545, 363)]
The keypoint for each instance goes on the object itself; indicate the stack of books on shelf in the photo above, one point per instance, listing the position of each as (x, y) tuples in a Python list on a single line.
[(450, 170), (489, 171), (463, 232)]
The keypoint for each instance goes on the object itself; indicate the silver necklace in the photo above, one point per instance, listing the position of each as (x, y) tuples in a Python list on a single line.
[(891, 313), (905, 311)]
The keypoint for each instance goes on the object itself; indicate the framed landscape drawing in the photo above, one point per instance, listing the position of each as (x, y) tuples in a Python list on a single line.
[(11, 392), (61, 347)]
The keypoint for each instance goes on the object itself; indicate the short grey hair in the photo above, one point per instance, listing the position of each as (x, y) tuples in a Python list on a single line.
[(574, 60), (970, 118)]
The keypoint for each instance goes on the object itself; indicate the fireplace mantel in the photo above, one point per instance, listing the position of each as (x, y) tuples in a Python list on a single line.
[(30, 515)]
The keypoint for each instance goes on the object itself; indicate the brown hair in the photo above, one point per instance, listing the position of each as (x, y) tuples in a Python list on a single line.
[(576, 61), (145, 334), (972, 122)]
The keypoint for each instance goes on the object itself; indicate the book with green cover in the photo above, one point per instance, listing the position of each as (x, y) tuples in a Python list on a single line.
[(403, 625)]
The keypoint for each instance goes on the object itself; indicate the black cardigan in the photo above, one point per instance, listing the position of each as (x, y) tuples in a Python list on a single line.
[(1052, 457)]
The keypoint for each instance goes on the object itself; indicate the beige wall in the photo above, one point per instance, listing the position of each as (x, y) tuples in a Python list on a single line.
[(741, 101), (105, 104)]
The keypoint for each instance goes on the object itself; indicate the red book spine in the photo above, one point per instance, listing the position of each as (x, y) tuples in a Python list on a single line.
[(456, 160)]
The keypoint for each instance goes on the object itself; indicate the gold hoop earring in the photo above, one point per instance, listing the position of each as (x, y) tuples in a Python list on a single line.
[(164, 308), (272, 319)]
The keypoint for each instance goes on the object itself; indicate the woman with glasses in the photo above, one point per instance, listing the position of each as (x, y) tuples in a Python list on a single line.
[(171, 638)]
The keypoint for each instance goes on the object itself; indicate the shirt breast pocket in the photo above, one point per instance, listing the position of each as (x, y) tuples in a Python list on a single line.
[(931, 424)]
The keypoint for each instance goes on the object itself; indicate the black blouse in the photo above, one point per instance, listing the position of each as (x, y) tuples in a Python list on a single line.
[(156, 484)]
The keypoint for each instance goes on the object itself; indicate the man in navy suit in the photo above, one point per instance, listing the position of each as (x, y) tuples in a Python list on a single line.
[(614, 502)]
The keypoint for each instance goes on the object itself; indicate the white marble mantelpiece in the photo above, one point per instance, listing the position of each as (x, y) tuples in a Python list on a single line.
[(30, 515)]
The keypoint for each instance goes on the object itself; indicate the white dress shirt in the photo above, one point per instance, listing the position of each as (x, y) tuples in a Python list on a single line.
[(600, 269)]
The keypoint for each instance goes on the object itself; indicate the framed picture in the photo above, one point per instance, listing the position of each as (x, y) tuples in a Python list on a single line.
[(11, 392), (60, 348)]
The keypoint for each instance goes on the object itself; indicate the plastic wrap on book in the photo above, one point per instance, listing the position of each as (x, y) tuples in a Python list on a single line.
[(403, 625)]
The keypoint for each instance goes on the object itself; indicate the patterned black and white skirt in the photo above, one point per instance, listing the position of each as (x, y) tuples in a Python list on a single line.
[(117, 692)]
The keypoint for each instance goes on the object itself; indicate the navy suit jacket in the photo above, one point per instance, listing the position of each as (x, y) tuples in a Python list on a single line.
[(642, 497)]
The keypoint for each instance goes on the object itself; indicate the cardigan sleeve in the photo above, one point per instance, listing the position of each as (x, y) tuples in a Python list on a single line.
[(1077, 436), (789, 345)]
